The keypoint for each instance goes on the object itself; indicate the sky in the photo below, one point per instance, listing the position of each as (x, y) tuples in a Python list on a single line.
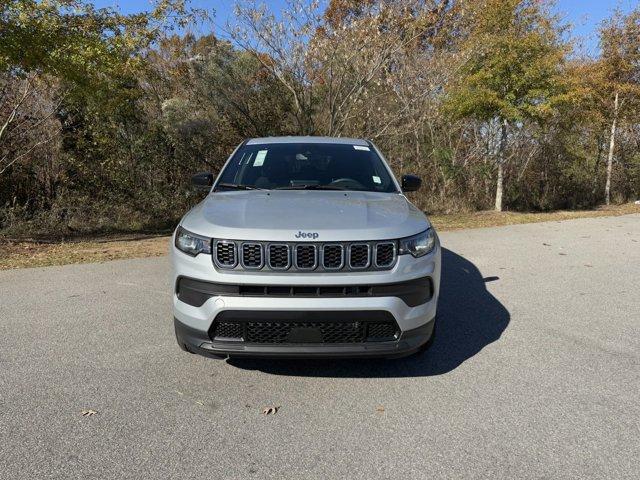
[(583, 15)]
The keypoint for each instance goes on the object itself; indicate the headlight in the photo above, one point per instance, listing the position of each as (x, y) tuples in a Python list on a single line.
[(192, 244), (419, 244)]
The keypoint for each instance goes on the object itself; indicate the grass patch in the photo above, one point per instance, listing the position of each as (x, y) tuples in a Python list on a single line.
[(31, 254), (21, 254), (498, 219)]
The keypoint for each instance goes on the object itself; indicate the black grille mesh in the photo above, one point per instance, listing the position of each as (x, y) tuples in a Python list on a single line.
[(278, 256), (228, 330), (332, 256), (359, 256), (328, 332), (384, 254), (226, 254), (331, 332), (252, 255), (299, 327), (381, 331), (305, 256)]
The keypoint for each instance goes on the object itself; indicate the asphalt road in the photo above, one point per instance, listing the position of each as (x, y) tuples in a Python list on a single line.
[(535, 374)]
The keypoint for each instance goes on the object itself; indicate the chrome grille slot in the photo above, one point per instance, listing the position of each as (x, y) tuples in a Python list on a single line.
[(385, 254), (306, 257), (226, 254), (252, 255), (278, 256), (359, 255), (333, 256)]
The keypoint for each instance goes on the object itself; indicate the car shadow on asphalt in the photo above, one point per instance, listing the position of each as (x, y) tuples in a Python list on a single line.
[(469, 319)]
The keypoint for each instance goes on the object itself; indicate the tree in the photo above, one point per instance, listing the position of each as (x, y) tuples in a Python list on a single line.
[(336, 64), (620, 64), (72, 44), (513, 72)]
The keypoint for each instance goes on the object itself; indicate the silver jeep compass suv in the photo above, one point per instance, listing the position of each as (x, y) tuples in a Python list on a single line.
[(305, 247)]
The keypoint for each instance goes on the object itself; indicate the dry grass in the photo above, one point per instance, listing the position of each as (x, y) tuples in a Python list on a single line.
[(498, 219), (30, 254)]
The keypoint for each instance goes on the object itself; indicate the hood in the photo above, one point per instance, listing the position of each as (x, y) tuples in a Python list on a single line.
[(304, 215)]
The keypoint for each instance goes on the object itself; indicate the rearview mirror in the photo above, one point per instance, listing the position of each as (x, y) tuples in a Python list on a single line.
[(202, 181), (411, 183)]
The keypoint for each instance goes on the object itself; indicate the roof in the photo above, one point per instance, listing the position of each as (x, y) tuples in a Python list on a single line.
[(334, 140)]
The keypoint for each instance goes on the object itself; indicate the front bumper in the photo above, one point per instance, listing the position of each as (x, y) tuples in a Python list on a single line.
[(195, 316), (197, 341)]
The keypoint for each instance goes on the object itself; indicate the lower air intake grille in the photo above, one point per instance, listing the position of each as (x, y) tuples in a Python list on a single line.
[(288, 327), (381, 331), (284, 332), (228, 330)]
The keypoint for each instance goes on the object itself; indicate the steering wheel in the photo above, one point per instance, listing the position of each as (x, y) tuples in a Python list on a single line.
[(346, 182)]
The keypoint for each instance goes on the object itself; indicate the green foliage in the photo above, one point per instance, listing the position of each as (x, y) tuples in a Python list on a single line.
[(66, 39), (513, 70)]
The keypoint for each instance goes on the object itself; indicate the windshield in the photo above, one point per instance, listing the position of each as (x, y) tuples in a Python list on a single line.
[(317, 166)]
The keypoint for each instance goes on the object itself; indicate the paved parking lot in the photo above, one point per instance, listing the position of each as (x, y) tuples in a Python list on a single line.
[(535, 374)]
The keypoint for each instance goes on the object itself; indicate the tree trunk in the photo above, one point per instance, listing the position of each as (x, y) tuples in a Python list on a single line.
[(612, 143), (503, 141), (499, 189)]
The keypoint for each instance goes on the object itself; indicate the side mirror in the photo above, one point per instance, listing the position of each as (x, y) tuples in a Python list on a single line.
[(202, 181), (411, 183)]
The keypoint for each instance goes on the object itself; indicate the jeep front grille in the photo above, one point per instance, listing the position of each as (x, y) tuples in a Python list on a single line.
[(333, 256), (279, 258), (305, 257), (252, 255), (226, 254), (359, 255), (385, 254)]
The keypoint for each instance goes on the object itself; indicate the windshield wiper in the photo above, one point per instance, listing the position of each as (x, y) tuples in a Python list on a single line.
[(310, 187), (238, 186)]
